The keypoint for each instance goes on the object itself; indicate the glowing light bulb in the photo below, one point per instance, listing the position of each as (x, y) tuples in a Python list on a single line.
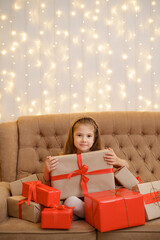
[(3, 52), (13, 33), (45, 92), (30, 51), (137, 8), (4, 72), (124, 56), (30, 110), (24, 36), (87, 14), (100, 48), (124, 7), (3, 17), (148, 67), (100, 91), (156, 106), (73, 13), (150, 20), (109, 71), (53, 65), (43, 5), (17, 6), (18, 99), (95, 36), (140, 97), (79, 64), (149, 57), (59, 13)]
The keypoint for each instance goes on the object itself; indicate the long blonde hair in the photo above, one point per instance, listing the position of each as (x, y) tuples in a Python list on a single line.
[(69, 147)]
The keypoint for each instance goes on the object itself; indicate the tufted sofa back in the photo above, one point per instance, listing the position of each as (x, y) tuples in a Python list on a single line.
[(134, 136)]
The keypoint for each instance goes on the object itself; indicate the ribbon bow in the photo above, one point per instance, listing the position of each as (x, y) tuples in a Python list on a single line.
[(81, 171), (152, 197), (32, 193)]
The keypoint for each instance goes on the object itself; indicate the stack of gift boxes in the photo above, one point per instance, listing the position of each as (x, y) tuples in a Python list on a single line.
[(106, 208), (38, 202)]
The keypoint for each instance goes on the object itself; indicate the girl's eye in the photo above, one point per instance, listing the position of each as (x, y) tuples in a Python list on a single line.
[(89, 136)]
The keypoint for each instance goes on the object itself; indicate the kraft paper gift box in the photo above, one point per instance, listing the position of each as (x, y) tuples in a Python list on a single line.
[(125, 178), (31, 212), (114, 209), (41, 193), (59, 217), (16, 186), (151, 196), (78, 174)]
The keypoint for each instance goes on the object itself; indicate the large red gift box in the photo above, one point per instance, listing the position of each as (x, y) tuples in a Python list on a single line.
[(41, 193), (114, 209), (59, 217)]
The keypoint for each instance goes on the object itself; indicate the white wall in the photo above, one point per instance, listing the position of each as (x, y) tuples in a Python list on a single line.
[(72, 56)]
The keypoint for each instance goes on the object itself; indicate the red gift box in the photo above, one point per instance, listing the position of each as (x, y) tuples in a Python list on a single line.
[(114, 209), (59, 217), (41, 193)]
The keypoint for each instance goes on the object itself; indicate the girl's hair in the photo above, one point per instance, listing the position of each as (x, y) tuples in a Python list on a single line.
[(69, 147)]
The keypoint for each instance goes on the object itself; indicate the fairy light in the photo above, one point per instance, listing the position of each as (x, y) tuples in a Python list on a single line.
[(77, 59), (3, 17)]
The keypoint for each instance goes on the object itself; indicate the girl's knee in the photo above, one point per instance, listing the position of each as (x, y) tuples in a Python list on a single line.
[(78, 205)]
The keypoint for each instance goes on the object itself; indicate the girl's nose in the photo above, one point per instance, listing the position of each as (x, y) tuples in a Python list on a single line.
[(84, 139)]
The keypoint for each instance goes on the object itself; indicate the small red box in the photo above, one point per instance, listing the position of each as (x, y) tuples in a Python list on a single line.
[(55, 218), (114, 209), (41, 193)]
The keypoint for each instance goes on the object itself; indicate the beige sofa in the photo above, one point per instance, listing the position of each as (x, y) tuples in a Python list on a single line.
[(24, 144)]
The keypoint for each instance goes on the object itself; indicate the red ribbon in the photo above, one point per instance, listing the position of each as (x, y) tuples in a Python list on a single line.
[(152, 197), (83, 170), (20, 206), (32, 194), (139, 180)]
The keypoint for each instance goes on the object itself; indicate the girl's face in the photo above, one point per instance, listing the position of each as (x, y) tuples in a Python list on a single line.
[(83, 137)]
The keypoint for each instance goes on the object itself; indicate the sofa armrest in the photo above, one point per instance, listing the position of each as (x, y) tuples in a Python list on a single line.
[(8, 151), (4, 194)]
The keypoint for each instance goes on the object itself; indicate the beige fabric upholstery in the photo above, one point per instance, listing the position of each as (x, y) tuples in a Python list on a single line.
[(4, 194), (134, 136), (17, 229), (8, 151)]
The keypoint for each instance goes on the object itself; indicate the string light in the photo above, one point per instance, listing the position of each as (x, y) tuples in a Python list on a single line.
[(79, 53)]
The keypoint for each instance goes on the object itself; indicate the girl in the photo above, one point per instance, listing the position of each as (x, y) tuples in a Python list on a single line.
[(83, 136)]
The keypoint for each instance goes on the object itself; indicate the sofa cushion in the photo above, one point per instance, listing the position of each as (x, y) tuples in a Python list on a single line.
[(16, 228), (149, 231)]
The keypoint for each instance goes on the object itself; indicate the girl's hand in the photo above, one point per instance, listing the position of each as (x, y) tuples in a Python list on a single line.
[(111, 158), (51, 163)]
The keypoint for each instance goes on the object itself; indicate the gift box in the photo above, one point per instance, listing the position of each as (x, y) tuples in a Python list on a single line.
[(59, 217), (18, 207), (41, 193), (125, 178), (151, 196), (114, 209), (16, 186), (78, 174)]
